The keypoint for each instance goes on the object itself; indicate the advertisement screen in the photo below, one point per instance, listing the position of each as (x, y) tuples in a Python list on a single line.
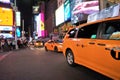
[(37, 21), (18, 32), (36, 10), (59, 15), (18, 19), (42, 25), (67, 12), (5, 1), (6, 35), (80, 9), (6, 28), (111, 11), (6, 17)]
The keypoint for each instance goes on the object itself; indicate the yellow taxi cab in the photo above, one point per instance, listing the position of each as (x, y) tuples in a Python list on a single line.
[(95, 45), (54, 45), (38, 43)]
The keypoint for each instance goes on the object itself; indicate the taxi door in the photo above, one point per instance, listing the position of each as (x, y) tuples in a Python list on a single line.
[(85, 46), (50, 45), (105, 50)]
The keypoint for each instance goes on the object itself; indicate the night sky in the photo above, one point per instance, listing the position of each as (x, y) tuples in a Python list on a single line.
[(25, 7)]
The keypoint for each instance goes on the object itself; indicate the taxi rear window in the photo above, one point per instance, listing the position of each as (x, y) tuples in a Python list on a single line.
[(111, 30)]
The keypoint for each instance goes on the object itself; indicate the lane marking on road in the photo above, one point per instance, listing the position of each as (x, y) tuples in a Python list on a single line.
[(32, 48)]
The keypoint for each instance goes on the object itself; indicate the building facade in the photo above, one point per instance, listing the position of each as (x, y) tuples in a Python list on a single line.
[(50, 18), (50, 7)]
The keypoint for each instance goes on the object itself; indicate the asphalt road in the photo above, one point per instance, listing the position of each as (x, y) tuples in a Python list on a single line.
[(37, 64)]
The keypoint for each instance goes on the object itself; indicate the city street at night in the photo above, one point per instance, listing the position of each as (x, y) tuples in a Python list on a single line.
[(59, 39), (37, 64)]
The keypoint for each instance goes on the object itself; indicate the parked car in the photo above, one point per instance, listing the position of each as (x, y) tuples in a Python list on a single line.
[(38, 43), (95, 45), (54, 45)]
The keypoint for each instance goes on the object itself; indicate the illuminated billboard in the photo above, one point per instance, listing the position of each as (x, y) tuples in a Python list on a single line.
[(5, 1), (18, 19), (81, 9), (6, 28), (40, 27), (6, 35), (108, 12), (67, 12), (36, 10), (18, 33), (59, 15), (37, 23), (6, 17)]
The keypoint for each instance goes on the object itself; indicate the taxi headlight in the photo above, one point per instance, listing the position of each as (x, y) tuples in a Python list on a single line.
[(36, 43), (41, 43)]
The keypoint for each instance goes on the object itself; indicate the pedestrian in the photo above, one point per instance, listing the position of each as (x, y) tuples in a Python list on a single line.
[(2, 45), (13, 44), (9, 44), (6, 47), (19, 43)]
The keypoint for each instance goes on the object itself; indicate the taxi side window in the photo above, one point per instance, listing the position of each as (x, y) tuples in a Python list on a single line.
[(89, 31), (50, 41), (112, 30), (72, 33)]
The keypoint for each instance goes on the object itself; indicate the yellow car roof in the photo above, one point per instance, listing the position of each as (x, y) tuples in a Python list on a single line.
[(98, 21)]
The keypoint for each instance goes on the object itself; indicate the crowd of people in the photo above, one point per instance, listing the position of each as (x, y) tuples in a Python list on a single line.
[(10, 44)]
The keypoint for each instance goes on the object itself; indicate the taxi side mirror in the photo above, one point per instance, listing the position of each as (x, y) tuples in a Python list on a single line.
[(67, 36)]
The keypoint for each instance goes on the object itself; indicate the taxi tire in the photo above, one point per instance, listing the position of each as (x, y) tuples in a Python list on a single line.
[(46, 48), (55, 49), (70, 58)]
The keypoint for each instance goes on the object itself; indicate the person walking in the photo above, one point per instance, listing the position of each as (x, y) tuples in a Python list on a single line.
[(13, 44), (6, 47), (2, 45), (9, 44)]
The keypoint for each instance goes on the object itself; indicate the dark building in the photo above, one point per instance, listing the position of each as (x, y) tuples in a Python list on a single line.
[(50, 7)]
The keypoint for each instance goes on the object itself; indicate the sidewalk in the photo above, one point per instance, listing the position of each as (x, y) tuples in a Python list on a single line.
[(4, 54)]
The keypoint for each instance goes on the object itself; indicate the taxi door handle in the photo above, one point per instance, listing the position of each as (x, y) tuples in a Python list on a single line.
[(77, 45), (100, 44), (108, 49), (80, 45), (92, 43)]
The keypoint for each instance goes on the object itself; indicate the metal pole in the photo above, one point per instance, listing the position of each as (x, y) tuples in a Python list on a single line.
[(16, 46), (23, 25), (15, 2), (23, 32), (29, 32)]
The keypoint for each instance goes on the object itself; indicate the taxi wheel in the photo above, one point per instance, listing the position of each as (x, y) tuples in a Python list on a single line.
[(70, 58), (55, 49), (46, 48)]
